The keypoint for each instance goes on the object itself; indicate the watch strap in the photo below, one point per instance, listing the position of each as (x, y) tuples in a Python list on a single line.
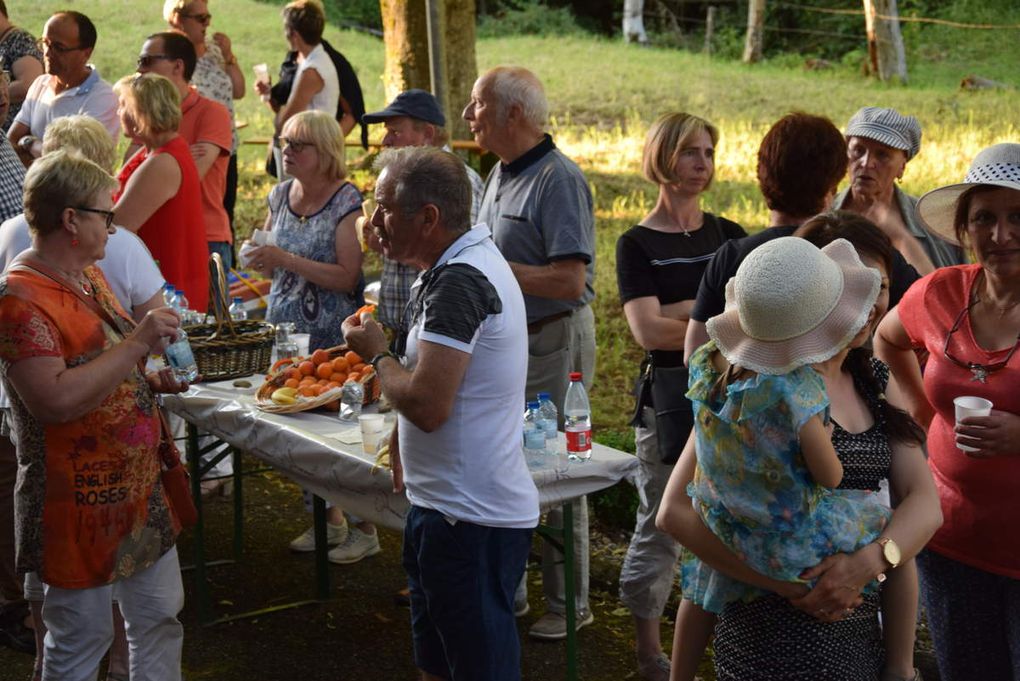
[(378, 358)]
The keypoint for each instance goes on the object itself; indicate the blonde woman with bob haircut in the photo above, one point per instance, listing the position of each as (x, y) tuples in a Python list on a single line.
[(160, 196), (85, 134), (316, 269), (659, 264), (75, 376)]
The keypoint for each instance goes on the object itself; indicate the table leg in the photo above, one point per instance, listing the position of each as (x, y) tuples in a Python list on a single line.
[(236, 458), (201, 586), (321, 549), (569, 589)]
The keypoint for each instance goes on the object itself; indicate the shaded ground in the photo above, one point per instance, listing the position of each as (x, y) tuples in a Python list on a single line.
[(360, 634)]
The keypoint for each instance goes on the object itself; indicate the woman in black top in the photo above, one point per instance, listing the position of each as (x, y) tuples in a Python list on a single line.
[(658, 266)]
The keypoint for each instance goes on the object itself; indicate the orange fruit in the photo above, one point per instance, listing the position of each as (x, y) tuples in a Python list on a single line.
[(333, 384), (340, 365), (307, 391), (367, 371), (291, 383), (352, 357), (293, 372), (354, 376), (306, 380), (359, 367), (307, 368), (324, 369), (338, 377), (320, 356), (319, 389), (332, 406)]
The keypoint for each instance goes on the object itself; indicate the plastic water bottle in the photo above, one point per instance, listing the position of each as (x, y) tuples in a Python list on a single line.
[(577, 420), (352, 397), (181, 359), (182, 307), (169, 292), (547, 412), (534, 436), (237, 311)]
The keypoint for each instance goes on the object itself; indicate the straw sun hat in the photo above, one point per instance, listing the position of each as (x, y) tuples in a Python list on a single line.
[(998, 165), (791, 304)]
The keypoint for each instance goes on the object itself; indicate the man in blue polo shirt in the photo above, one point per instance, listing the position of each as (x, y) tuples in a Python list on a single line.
[(539, 208), (457, 445)]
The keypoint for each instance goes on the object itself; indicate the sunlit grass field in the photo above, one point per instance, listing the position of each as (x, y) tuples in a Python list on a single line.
[(603, 95)]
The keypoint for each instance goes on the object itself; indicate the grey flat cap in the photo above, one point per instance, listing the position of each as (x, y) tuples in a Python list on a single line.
[(887, 126)]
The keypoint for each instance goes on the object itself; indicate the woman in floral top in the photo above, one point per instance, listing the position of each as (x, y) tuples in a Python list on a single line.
[(93, 519)]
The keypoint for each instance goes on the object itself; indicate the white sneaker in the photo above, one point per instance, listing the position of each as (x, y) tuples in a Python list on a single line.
[(358, 545), (335, 534)]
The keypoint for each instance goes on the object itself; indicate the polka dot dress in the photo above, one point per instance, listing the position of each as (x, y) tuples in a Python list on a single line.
[(769, 640)]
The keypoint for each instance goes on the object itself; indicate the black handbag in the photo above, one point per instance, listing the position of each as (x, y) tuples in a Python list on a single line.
[(674, 413)]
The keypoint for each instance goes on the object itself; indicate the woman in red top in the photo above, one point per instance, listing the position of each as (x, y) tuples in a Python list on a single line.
[(92, 518), (968, 319), (160, 196)]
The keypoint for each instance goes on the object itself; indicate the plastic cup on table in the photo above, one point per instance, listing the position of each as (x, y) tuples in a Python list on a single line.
[(373, 427), (302, 340), (968, 405)]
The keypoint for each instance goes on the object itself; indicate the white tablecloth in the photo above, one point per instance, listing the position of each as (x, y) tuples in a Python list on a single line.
[(305, 447)]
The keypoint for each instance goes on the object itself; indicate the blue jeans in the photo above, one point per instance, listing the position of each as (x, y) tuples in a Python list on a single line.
[(462, 578), (974, 618), (225, 250)]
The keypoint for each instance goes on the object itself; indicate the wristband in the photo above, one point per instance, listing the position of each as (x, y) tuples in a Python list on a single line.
[(380, 357)]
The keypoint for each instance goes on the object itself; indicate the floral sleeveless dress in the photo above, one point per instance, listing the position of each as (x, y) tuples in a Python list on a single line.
[(753, 489), (313, 310)]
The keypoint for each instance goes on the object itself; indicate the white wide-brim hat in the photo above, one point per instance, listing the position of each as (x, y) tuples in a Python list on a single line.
[(792, 304), (998, 166)]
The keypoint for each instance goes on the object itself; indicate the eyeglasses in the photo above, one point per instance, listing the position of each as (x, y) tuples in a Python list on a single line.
[(297, 145), (200, 18), (146, 60), (980, 371), (108, 214), (44, 44)]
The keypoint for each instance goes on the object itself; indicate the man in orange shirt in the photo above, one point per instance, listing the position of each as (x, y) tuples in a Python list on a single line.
[(205, 125)]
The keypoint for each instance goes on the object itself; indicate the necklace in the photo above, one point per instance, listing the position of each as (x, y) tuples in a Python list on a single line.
[(1000, 310)]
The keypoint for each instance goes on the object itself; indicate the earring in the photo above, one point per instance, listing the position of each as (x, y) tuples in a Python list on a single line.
[(74, 241)]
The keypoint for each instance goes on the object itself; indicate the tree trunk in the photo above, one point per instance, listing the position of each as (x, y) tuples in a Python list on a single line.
[(755, 31), (405, 35), (634, 22), (886, 56)]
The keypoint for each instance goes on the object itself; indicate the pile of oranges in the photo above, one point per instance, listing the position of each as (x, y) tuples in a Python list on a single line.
[(322, 371)]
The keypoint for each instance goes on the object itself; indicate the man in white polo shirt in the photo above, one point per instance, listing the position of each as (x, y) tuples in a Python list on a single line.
[(70, 85), (457, 447)]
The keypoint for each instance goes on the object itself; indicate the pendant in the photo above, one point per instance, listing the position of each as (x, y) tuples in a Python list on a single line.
[(979, 374)]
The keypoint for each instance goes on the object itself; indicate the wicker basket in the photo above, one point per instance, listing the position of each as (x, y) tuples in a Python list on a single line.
[(370, 382), (229, 349)]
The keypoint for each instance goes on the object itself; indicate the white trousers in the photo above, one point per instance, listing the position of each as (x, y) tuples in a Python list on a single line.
[(80, 625)]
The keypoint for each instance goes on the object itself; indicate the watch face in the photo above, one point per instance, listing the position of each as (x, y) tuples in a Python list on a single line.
[(891, 552)]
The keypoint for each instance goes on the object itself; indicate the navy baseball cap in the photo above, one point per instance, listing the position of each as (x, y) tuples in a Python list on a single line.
[(414, 103)]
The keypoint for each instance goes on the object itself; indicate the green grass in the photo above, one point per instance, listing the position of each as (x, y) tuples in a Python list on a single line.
[(603, 94)]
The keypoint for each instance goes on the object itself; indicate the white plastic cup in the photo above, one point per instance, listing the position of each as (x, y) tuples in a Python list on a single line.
[(302, 340), (261, 72), (967, 405), (373, 427)]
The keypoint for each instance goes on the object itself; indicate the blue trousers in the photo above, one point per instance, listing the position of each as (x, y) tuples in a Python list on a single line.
[(462, 578)]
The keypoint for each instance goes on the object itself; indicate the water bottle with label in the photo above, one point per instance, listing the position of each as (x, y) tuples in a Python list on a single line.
[(534, 436), (181, 305), (547, 412), (577, 420), (237, 311), (181, 359), (284, 346), (352, 397)]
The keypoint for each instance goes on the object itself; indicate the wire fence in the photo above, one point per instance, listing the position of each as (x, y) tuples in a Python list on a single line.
[(740, 26)]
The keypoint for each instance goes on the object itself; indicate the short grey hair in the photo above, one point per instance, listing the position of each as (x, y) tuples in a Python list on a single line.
[(516, 85), (427, 175), (58, 180)]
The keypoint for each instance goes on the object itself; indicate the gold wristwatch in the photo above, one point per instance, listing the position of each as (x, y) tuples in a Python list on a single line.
[(891, 554)]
